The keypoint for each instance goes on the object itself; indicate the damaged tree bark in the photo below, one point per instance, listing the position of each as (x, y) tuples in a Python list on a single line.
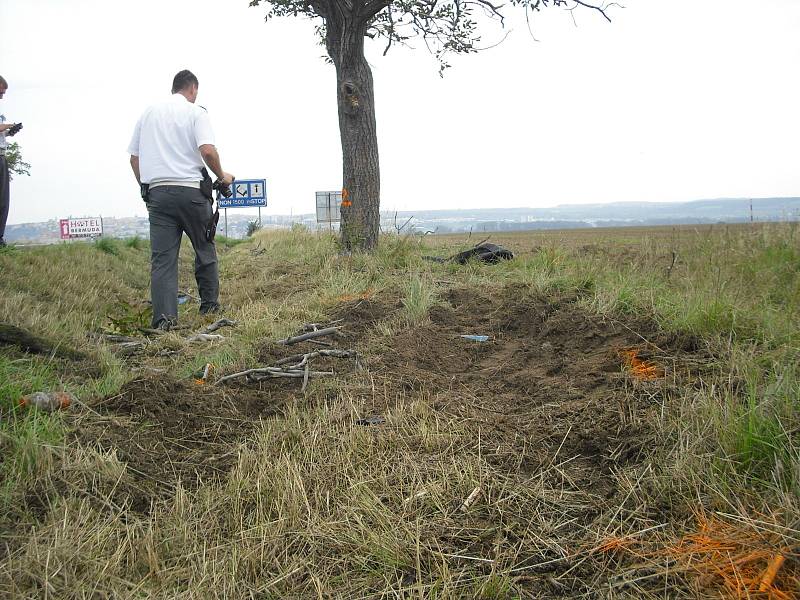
[(355, 96)]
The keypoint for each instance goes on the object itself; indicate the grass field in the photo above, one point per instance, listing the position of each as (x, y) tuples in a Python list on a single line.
[(630, 429)]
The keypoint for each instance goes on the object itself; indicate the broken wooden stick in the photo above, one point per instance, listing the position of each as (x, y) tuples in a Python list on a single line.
[(292, 374), (124, 345), (294, 366), (114, 338), (128, 348), (317, 326), (301, 360), (672, 266), (306, 374), (471, 499), (310, 335), (149, 331), (269, 372), (219, 324), (204, 337)]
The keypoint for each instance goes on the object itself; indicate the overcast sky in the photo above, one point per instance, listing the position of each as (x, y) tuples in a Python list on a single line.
[(674, 100)]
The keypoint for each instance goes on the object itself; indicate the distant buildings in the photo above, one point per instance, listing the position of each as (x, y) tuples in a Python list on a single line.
[(618, 214)]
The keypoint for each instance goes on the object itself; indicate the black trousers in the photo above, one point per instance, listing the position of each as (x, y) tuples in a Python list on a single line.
[(175, 210), (5, 197)]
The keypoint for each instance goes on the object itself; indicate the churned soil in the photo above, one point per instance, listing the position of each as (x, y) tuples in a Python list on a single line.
[(549, 386), (168, 431)]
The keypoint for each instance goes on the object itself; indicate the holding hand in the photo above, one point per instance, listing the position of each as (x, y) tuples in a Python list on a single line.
[(10, 129)]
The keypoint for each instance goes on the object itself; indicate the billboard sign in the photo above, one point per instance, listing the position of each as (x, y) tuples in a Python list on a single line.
[(246, 192), (81, 228), (329, 207)]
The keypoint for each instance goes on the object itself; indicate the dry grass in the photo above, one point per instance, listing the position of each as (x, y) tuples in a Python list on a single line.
[(317, 506)]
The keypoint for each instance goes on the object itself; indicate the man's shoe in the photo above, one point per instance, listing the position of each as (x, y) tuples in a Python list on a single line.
[(3, 243), (210, 308), (166, 324)]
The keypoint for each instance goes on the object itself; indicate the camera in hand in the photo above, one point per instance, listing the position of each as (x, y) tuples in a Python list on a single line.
[(13, 130), (224, 190)]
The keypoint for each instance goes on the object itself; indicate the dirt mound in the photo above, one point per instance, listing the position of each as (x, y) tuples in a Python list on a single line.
[(358, 317), (168, 431), (548, 385)]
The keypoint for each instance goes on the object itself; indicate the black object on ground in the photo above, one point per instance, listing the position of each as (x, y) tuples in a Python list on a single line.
[(26, 341), (485, 252), (376, 420)]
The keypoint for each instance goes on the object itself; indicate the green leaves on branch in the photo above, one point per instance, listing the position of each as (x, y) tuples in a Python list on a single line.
[(16, 165), (445, 26)]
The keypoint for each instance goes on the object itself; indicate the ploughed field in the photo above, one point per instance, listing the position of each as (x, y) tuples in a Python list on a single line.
[(623, 425)]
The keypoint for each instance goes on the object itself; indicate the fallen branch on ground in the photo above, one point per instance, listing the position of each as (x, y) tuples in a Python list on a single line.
[(304, 358), (124, 345), (296, 366), (310, 335), (114, 338), (219, 324), (317, 326), (128, 348), (204, 337), (150, 331), (261, 373)]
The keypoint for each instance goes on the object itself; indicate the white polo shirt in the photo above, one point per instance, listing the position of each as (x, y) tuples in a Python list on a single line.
[(167, 139), (3, 142)]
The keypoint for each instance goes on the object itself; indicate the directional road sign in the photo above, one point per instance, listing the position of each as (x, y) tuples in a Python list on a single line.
[(246, 192)]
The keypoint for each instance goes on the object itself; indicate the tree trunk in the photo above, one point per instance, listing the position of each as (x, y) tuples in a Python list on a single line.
[(355, 96)]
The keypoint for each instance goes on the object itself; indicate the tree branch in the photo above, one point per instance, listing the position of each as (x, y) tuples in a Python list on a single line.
[(373, 7), (391, 32), (600, 9), (493, 10)]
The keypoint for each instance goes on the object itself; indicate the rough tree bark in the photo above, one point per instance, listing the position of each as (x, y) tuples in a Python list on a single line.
[(360, 224)]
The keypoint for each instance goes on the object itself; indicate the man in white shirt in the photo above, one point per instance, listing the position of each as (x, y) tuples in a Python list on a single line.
[(5, 177), (172, 141)]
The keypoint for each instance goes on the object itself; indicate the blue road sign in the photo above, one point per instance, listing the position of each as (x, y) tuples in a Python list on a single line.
[(246, 192)]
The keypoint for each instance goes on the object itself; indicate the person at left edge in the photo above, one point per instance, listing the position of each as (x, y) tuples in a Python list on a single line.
[(5, 176), (171, 142)]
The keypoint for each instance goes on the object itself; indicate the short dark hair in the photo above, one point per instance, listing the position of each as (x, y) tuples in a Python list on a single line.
[(183, 80), (3, 82)]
